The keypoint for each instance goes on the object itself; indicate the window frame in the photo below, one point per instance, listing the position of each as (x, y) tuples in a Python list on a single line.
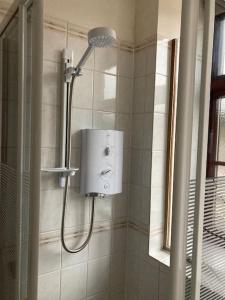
[(217, 92), (170, 145)]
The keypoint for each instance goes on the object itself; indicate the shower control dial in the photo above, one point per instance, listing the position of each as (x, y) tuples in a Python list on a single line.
[(107, 151)]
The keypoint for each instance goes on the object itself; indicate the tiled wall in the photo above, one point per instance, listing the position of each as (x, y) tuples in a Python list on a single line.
[(113, 94), (102, 99), (159, 146), (101, 270), (146, 276)]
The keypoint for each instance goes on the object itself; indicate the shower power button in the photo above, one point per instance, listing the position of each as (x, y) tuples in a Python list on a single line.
[(106, 186)]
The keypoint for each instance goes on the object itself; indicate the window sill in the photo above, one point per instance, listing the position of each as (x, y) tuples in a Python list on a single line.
[(155, 248), (163, 256)]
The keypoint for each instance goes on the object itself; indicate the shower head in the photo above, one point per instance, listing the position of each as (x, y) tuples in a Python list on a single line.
[(101, 37)]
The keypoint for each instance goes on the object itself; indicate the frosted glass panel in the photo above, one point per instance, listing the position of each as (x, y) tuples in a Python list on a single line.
[(8, 164), (14, 162)]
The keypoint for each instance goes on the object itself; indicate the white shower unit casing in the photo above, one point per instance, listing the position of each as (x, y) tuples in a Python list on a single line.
[(101, 162)]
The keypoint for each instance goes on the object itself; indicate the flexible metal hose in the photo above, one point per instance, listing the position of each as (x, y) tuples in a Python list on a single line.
[(67, 164)]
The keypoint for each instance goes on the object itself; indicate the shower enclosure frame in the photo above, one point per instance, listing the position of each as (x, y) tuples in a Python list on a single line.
[(187, 65), (20, 8)]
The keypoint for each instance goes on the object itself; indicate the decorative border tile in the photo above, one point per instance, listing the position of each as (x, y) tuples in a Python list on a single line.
[(54, 236)]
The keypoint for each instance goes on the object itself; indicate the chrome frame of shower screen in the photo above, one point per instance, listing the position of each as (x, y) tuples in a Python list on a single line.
[(20, 9), (187, 65)]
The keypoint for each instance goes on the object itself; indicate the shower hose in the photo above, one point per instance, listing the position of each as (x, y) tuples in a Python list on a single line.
[(67, 163)]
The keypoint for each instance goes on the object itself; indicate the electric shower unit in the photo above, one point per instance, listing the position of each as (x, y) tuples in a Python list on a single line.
[(102, 150)]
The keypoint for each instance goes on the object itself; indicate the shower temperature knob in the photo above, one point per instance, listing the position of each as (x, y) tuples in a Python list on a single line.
[(106, 172)]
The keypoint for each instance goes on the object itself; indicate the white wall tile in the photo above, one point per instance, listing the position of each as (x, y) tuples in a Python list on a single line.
[(51, 83), (49, 157), (117, 293), (81, 119), (100, 296), (148, 125), (49, 181), (83, 90), (104, 120), (136, 167), (133, 272), (157, 207), (106, 60), (79, 45), (126, 63), (160, 127), (73, 286), (144, 249), (138, 131), (139, 95), (149, 281), (123, 123), (50, 210), (69, 259), (125, 95), (134, 242), (119, 240), (105, 86), (120, 203), (147, 163), (49, 286), (54, 43), (161, 94), (103, 209), (145, 210), (50, 126), (164, 285), (77, 212), (117, 269), (98, 275), (49, 257), (100, 244), (126, 165), (150, 59), (158, 169), (163, 59), (135, 203), (150, 93), (156, 244), (140, 63), (132, 293)]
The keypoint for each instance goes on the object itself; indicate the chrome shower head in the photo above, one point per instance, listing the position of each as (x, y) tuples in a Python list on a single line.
[(101, 37)]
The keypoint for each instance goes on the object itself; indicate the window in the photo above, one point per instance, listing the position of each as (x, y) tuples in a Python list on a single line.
[(170, 146), (216, 135), (216, 138)]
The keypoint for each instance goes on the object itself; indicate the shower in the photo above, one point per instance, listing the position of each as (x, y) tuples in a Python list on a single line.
[(100, 37)]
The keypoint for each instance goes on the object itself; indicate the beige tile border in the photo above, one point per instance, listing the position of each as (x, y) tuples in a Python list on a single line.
[(81, 32), (54, 236), (4, 7)]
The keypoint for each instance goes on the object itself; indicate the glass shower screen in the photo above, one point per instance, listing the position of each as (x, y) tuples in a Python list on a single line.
[(15, 132)]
